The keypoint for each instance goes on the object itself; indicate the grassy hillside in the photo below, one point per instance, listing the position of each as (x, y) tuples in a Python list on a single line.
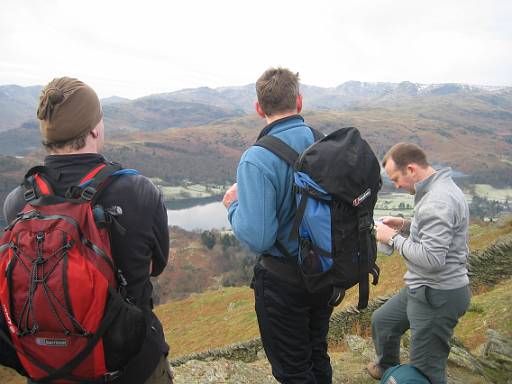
[(491, 309), (220, 317)]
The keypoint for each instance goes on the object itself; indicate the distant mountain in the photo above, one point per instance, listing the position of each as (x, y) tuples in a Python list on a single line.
[(233, 98), (114, 100), (154, 113), (197, 106), (17, 105), (468, 127), (346, 95), (22, 140)]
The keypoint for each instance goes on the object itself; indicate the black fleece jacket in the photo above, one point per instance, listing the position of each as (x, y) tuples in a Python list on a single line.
[(141, 252)]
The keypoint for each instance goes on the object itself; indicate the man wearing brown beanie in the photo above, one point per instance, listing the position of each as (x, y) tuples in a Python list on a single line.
[(71, 123)]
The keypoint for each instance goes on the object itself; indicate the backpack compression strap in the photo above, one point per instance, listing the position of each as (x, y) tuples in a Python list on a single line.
[(365, 226)]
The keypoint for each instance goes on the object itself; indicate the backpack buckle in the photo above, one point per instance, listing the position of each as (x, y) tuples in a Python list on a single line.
[(111, 376), (88, 193), (73, 192), (29, 194)]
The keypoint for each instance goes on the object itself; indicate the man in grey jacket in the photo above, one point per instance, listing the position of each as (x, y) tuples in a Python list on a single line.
[(435, 251)]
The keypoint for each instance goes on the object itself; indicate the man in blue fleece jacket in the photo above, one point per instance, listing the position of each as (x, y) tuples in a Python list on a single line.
[(293, 322), (435, 250)]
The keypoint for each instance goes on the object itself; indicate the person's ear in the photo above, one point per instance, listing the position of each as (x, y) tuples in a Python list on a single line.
[(259, 110), (299, 103), (95, 133)]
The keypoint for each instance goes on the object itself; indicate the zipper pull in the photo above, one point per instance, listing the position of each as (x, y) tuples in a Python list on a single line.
[(39, 240), (40, 237)]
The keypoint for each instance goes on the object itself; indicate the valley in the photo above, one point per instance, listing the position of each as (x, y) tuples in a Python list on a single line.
[(189, 143)]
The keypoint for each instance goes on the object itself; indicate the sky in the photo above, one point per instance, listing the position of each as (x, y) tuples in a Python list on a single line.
[(135, 48)]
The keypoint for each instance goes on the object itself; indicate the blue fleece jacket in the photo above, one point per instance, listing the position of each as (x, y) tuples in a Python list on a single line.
[(264, 211)]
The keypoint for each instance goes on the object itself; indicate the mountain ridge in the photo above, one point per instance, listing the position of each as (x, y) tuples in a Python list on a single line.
[(18, 104)]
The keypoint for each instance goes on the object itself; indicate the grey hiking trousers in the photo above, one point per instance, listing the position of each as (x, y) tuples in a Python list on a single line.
[(431, 314)]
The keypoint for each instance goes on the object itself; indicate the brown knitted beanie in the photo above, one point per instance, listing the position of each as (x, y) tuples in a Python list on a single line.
[(67, 109)]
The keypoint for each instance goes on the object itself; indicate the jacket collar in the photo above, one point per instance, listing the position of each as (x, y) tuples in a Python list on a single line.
[(60, 161), (268, 128), (424, 186)]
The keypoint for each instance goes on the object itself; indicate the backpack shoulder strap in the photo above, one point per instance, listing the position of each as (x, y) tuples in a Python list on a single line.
[(279, 148), (37, 182), (285, 152), (93, 182), (282, 150), (317, 135)]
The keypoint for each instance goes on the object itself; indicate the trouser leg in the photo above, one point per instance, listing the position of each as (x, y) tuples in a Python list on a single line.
[(284, 318), (319, 327), (433, 315), (389, 323)]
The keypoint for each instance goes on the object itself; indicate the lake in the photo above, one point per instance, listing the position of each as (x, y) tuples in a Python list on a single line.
[(212, 215), (209, 213)]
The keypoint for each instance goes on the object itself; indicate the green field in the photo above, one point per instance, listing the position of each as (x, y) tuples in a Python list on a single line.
[(191, 191), (393, 204), (491, 193)]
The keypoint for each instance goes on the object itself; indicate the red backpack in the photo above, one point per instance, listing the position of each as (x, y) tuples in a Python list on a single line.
[(61, 295)]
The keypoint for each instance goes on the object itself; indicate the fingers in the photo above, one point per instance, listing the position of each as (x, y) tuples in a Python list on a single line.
[(230, 196), (384, 232), (393, 222)]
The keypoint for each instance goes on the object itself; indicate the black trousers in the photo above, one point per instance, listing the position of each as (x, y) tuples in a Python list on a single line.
[(293, 326)]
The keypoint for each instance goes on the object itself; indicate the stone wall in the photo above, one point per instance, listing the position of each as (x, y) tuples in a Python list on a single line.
[(246, 351), (492, 265)]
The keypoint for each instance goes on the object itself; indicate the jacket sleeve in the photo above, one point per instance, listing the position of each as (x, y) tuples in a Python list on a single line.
[(161, 246), (435, 223), (253, 216)]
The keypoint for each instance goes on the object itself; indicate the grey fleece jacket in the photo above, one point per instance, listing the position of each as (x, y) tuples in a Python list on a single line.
[(436, 250)]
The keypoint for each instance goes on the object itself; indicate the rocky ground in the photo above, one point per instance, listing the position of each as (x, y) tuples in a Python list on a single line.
[(349, 365)]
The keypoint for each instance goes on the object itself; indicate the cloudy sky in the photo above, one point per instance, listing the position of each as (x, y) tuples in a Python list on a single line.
[(134, 48)]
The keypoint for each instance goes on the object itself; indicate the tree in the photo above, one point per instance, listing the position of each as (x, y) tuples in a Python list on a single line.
[(208, 239)]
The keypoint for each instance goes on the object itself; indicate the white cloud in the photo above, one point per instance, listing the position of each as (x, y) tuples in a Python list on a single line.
[(133, 48)]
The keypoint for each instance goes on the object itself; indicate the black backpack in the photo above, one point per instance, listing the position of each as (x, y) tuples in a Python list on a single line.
[(336, 181)]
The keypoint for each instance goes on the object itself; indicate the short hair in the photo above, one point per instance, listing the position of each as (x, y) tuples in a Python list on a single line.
[(75, 143), (277, 90), (404, 154)]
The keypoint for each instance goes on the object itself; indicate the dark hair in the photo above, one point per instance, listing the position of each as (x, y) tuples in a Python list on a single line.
[(404, 154), (75, 143), (277, 90)]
